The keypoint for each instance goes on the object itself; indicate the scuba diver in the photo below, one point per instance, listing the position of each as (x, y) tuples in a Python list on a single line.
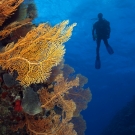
[(102, 28)]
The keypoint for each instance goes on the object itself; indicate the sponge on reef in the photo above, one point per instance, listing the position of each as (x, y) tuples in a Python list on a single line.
[(30, 102)]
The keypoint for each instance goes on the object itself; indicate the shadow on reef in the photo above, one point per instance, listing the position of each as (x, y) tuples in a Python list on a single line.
[(123, 122)]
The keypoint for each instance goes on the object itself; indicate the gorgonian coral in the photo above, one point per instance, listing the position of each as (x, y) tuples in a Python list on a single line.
[(8, 30), (57, 122), (7, 7), (52, 104), (34, 55)]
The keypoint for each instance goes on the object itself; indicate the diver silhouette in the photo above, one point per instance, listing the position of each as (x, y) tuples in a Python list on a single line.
[(101, 31)]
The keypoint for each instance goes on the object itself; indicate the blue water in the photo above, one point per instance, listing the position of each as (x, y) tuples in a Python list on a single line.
[(113, 85)]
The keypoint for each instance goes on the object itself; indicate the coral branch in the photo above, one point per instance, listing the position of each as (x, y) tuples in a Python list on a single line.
[(57, 122), (12, 27), (7, 7), (79, 125), (34, 55), (49, 100)]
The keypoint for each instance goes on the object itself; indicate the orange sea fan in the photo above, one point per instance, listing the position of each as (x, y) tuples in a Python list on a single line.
[(79, 125), (45, 126), (49, 126), (7, 7), (55, 71), (56, 98), (79, 95), (54, 123), (34, 55), (49, 100), (13, 26), (68, 70)]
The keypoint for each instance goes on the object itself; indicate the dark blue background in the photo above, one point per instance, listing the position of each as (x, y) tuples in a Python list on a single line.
[(114, 84)]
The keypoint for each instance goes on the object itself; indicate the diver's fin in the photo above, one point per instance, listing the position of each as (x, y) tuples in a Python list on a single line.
[(109, 49), (97, 64)]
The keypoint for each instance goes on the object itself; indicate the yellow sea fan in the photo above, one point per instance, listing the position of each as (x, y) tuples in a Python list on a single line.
[(34, 55)]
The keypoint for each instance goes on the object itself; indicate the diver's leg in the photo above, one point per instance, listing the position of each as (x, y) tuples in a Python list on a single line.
[(97, 62), (105, 42), (108, 47), (98, 47)]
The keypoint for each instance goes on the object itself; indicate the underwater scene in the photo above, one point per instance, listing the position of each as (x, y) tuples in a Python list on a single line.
[(67, 67)]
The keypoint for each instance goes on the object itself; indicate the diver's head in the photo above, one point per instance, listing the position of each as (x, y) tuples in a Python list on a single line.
[(100, 15)]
